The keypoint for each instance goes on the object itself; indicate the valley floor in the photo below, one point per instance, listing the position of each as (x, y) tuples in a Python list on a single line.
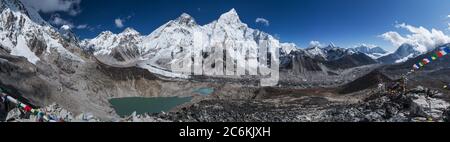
[(320, 105)]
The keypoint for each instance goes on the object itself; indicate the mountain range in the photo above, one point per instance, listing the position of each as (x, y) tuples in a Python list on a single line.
[(48, 64)]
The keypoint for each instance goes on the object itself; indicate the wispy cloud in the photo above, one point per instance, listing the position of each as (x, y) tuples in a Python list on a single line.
[(314, 44), (262, 21)]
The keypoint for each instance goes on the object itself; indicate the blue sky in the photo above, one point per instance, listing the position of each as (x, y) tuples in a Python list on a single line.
[(344, 22)]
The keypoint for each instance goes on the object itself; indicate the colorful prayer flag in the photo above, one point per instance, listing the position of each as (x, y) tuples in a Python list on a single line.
[(416, 66), (447, 49), (425, 61), (443, 52), (27, 108), (439, 54), (434, 56)]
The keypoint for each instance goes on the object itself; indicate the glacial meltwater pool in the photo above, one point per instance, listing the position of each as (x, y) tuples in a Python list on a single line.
[(126, 106), (204, 91)]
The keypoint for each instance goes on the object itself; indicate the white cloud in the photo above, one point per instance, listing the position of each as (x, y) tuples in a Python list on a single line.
[(72, 7), (119, 23), (423, 38), (314, 44), (262, 21)]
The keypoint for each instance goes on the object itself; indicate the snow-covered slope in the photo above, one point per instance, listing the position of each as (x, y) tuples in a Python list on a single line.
[(118, 50), (24, 33)]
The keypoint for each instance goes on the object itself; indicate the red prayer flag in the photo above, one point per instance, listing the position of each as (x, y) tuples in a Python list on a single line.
[(27, 108), (439, 54)]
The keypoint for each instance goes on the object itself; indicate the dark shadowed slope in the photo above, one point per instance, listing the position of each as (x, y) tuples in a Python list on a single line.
[(368, 81)]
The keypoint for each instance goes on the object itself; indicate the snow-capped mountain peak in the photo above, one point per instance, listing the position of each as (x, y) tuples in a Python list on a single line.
[(316, 51), (331, 45), (186, 19), (403, 53), (231, 17), (287, 48), (67, 33), (130, 31)]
